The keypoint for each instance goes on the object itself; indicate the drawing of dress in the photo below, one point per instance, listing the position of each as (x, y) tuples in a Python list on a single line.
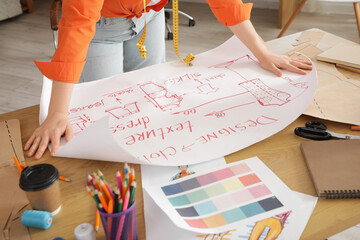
[(158, 95), (264, 94)]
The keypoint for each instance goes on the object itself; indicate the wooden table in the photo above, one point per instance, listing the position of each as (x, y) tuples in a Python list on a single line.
[(281, 153)]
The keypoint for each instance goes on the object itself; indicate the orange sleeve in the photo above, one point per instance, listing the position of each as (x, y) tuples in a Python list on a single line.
[(76, 30), (230, 12)]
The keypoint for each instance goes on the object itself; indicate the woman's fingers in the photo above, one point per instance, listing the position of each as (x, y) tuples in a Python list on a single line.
[(29, 142), (68, 132), (294, 69), (34, 146), (301, 64), (42, 147)]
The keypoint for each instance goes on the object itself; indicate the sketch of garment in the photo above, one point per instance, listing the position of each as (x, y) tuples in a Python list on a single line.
[(79, 123), (264, 94), (160, 97), (297, 84), (124, 111), (207, 88)]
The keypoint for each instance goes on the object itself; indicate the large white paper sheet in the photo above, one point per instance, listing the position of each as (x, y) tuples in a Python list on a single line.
[(160, 227), (218, 199), (172, 114)]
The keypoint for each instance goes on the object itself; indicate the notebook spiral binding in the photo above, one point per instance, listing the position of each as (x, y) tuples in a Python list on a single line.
[(340, 194)]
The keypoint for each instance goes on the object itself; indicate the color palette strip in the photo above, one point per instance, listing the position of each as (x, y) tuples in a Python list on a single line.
[(214, 190), (236, 214), (225, 202), (206, 179)]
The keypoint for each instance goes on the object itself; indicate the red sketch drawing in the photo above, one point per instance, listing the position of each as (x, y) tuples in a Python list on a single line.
[(160, 97), (79, 123), (124, 111), (264, 94), (297, 84), (193, 109), (221, 113), (207, 88), (118, 93)]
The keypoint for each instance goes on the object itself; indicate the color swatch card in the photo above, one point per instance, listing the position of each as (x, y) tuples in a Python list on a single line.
[(219, 199)]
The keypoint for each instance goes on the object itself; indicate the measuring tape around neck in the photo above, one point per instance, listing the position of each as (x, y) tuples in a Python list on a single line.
[(140, 44)]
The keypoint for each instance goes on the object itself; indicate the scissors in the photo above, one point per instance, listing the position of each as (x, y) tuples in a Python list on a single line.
[(318, 131)]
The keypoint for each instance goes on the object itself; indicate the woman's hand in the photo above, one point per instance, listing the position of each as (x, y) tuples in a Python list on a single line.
[(56, 123), (274, 63), (247, 34), (51, 130)]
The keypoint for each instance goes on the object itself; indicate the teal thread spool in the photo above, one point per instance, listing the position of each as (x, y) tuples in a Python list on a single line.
[(37, 219)]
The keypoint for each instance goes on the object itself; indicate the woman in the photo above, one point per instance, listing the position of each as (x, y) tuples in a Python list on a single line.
[(112, 49)]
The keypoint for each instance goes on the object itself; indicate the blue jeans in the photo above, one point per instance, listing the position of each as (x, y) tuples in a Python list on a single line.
[(113, 49)]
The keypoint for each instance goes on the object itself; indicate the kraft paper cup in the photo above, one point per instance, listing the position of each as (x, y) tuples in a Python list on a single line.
[(41, 185)]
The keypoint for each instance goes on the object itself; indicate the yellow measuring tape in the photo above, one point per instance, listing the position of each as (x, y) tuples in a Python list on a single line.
[(189, 57), (140, 44)]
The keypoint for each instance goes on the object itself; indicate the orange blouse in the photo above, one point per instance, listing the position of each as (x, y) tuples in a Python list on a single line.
[(77, 28)]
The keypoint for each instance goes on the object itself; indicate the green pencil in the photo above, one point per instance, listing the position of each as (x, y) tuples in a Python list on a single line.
[(132, 192)]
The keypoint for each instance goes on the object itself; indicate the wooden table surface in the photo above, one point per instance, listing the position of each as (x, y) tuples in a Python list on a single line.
[(281, 153)]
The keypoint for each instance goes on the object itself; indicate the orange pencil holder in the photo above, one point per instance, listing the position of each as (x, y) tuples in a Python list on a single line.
[(121, 225)]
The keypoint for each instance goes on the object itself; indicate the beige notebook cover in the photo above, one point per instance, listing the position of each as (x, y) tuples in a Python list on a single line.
[(334, 166), (342, 53)]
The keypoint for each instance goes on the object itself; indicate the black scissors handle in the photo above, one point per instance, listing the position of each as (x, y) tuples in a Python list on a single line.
[(312, 133), (316, 125)]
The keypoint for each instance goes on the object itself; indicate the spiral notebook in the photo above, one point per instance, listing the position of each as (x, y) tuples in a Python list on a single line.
[(334, 166)]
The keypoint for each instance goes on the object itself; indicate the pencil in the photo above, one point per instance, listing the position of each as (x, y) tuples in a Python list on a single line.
[(101, 175), (102, 200), (97, 220), (91, 181), (64, 179), (105, 190), (126, 200), (116, 202), (118, 179), (132, 193), (355, 128), (110, 211), (101, 207), (120, 206), (122, 218), (125, 182), (17, 164)]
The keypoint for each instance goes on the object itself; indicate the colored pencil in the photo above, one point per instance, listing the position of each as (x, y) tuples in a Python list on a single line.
[(109, 219), (132, 193), (97, 220), (120, 204), (355, 128), (101, 207), (91, 181), (17, 164), (119, 181), (64, 179), (116, 202), (126, 200), (101, 175), (102, 200)]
